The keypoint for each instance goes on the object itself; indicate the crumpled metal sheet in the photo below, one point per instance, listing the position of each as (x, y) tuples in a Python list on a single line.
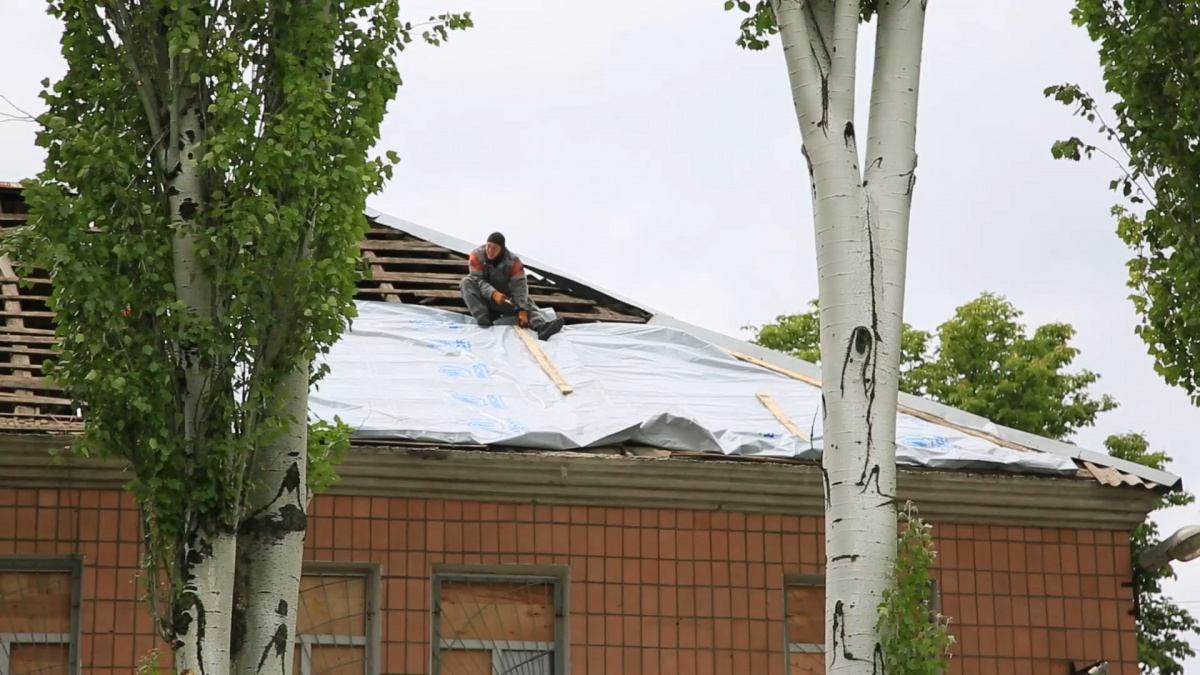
[(422, 374)]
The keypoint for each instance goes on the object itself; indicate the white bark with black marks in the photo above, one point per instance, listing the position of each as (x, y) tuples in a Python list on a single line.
[(861, 224), (203, 629), (271, 540)]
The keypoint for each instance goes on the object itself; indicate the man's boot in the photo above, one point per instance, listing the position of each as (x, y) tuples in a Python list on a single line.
[(550, 328), (484, 321)]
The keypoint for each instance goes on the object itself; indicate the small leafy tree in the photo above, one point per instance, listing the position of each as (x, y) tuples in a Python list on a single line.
[(1162, 625), (983, 361), (915, 639), (800, 336)]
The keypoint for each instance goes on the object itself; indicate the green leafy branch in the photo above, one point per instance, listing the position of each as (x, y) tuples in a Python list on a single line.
[(915, 640)]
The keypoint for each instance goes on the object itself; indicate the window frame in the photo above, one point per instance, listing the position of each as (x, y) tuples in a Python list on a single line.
[(557, 576), (791, 581), (371, 640), (72, 564)]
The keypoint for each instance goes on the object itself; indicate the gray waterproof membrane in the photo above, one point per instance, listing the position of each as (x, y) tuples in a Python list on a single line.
[(415, 373)]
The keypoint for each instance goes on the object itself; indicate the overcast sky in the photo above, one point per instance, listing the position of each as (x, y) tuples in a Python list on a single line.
[(634, 145)]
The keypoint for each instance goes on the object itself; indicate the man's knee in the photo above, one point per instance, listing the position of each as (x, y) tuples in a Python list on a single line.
[(469, 286)]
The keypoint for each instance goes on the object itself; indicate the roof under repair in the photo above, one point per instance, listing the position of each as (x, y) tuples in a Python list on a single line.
[(638, 376), (456, 383)]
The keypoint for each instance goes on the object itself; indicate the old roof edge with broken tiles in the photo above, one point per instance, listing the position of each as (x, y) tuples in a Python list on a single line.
[(809, 370)]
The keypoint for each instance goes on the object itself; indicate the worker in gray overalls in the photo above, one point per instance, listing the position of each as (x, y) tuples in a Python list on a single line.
[(496, 287)]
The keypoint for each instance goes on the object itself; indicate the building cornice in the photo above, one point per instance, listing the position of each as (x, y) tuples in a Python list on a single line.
[(644, 482)]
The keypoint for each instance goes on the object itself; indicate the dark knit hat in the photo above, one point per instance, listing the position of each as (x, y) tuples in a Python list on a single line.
[(496, 238)]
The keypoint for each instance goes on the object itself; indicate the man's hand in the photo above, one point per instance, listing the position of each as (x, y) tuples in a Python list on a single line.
[(500, 298), (523, 318)]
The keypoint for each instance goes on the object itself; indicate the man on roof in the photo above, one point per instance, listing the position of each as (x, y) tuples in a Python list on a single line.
[(496, 287)]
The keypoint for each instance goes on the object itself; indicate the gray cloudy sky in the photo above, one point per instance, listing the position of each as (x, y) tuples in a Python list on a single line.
[(634, 144)]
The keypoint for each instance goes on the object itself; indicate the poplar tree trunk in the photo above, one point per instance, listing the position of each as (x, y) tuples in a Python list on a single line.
[(271, 538), (209, 556), (861, 223), (271, 541)]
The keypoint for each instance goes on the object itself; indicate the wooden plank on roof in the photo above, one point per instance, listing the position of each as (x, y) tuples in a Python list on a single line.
[(26, 314), (602, 315), (17, 330), (541, 298), (389, 294), (402, 245), (12, 308), (419, 262), (769, 403), (443, 278), (32, 400), (25, 338), (27, 382), (774, 368), (547, 365), (934, 419)]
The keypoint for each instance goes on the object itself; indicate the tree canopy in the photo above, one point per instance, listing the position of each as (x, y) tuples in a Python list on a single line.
[(982, 361), (1148, 55), (198, 213)]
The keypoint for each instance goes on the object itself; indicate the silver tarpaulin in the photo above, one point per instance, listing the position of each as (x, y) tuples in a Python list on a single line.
[(416, 373)]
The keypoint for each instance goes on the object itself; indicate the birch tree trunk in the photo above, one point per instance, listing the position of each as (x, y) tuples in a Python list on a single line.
[(861, 224), (209, 556), (271, 541)]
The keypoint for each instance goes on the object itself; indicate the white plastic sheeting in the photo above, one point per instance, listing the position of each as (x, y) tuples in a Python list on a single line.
[(416, 373)]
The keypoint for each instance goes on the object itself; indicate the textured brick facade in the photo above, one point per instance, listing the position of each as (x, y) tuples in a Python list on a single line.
[(652, 591)]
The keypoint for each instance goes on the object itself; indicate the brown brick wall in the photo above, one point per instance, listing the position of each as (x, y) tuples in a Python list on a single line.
[(652, 591)]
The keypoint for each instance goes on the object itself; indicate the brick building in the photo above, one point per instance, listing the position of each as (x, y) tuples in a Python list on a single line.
[(472, 558)]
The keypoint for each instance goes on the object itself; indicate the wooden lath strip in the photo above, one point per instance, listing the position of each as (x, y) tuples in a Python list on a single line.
[(456, 294), (766, 400), (547, 365), (904, 409), (387, 288), (400, 245), (12, 308)]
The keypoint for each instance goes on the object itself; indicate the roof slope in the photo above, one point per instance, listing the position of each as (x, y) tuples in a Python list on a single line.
[(1102, 466), (415, 265)]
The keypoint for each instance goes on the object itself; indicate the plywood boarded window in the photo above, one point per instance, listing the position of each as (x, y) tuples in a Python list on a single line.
[(337, 629), (499, 623), (804, 610), (39, 616)]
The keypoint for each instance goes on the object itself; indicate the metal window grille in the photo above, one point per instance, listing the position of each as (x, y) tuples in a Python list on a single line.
[(33, 640), (511, 623), (337, 629)]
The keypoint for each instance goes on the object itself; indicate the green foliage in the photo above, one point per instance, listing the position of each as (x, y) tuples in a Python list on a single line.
[(982, 362), (759, 25), (1149, 52), (915, 639), (290, 94), (800, 336), (1161, 624), (987, 364), (326, 443)]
